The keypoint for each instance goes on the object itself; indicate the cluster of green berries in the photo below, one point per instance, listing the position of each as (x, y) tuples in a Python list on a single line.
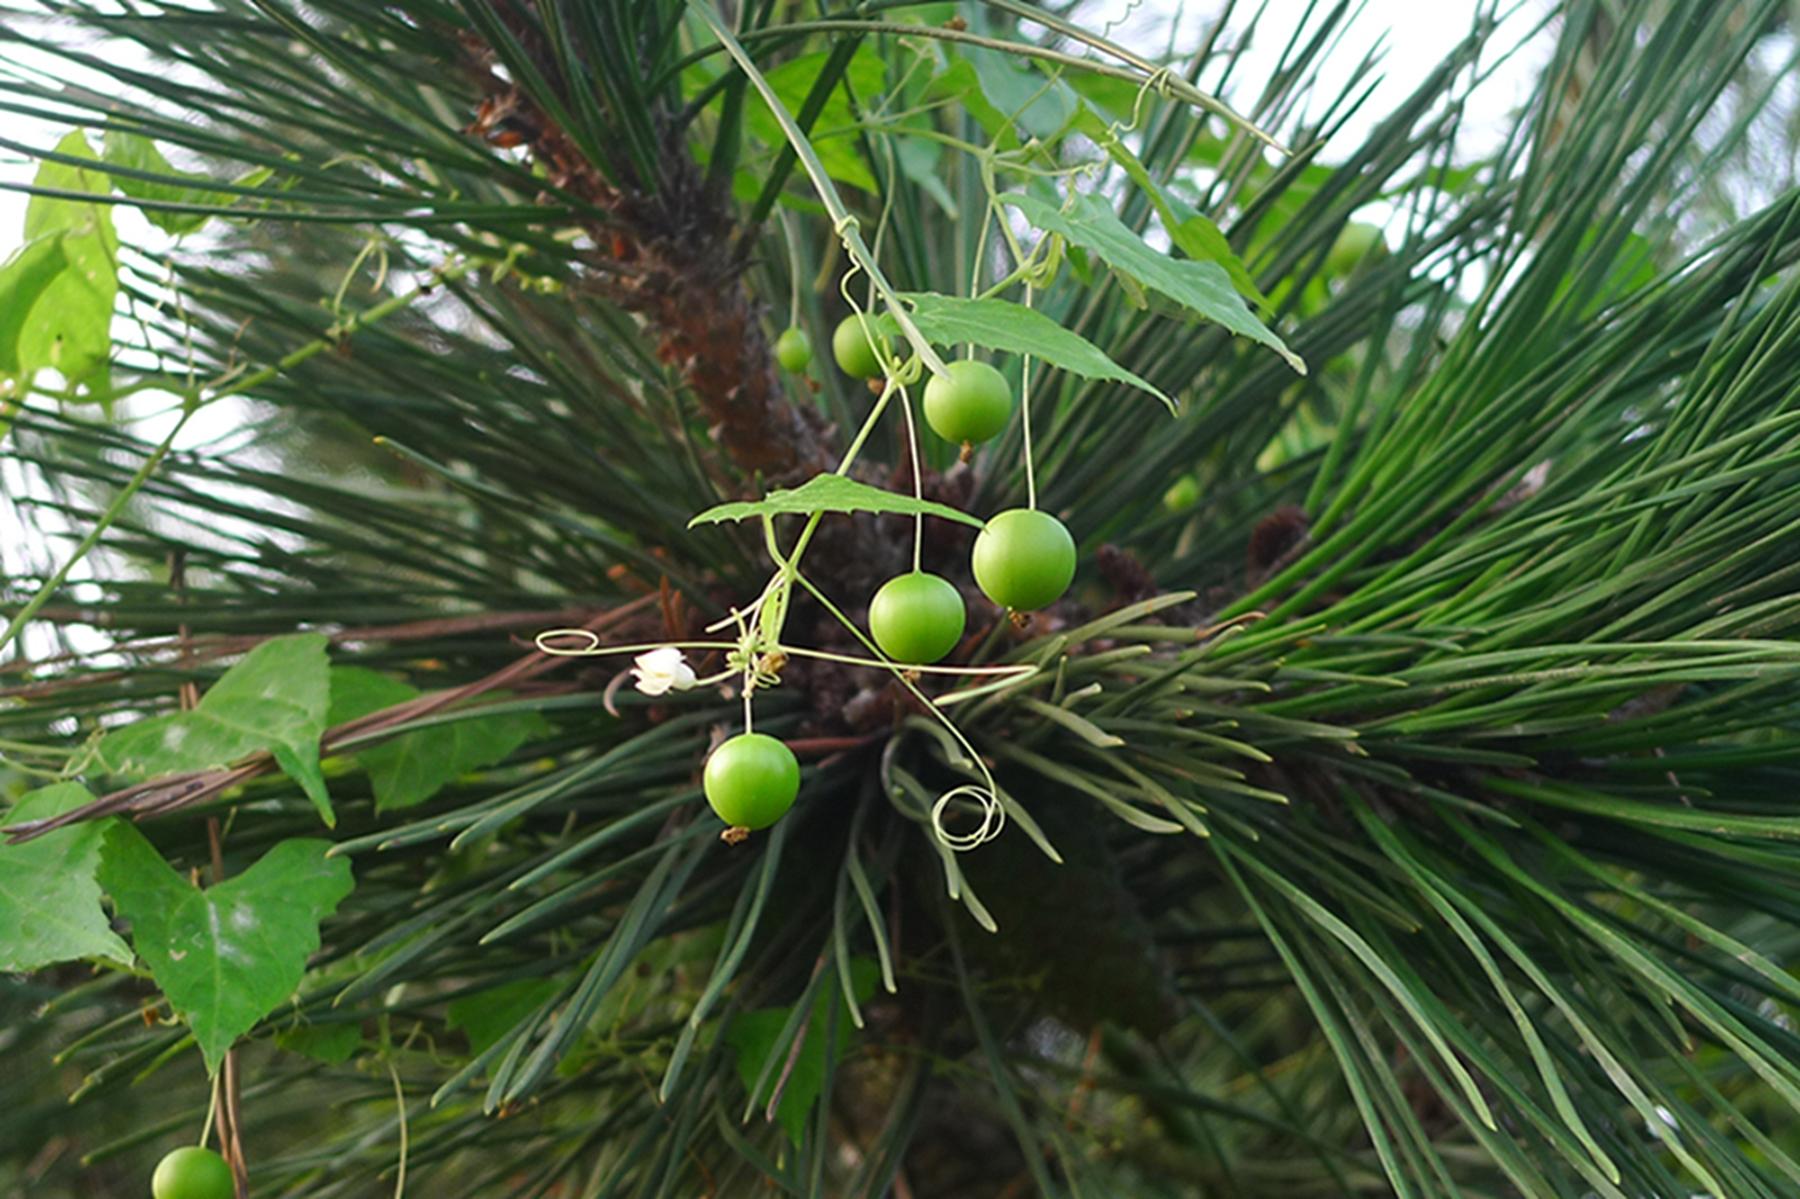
[(1023, 560)]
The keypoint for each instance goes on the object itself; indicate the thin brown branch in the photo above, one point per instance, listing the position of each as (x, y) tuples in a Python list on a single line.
[(156, 797)]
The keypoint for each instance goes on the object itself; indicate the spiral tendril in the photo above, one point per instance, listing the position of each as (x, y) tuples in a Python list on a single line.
[(993, 817)]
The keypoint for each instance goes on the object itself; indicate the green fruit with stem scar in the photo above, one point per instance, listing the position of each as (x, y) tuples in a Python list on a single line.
[(751, 780), (793, 349), (969, 402), (917, 618), (1024, 559), (192, 1173), (854, 347)]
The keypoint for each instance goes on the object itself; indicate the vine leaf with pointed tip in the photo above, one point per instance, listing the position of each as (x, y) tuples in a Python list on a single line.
[(1003, 325), (275, 700), (228, 955), (49, 902), (1202, 287), (831, 493)]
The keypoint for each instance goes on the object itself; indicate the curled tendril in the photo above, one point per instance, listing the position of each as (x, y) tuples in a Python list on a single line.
[(592, 645), (1107, 29), (993, 817), (1162, 82)]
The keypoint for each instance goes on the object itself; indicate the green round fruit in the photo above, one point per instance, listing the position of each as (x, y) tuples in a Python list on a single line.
[(854, 348), (192, 1173), (793, 349), (1024, 559), (1182, 494), (751, 780), (1355, 242), (917, 618), (971, 402)]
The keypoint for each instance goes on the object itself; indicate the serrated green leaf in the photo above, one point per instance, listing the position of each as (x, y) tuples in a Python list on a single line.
[(49, 901), (996, 324), (69, 328), (228, 955), (1202, 287), (1195, 234), (23, 280), (831, 493), (753, 1035), (275, 700), (413, 767)]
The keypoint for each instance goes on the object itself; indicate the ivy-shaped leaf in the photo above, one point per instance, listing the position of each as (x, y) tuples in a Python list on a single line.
[(831, 493), (275, 700), (69, 327), (753, 1035), (413, 767), (49, 902), (228, 955), (1203, 287), (1003, 325)]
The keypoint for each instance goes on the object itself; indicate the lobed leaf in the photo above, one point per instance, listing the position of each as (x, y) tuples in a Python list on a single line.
[(228, 955), (49, 902), (274, 700), (411, 768)]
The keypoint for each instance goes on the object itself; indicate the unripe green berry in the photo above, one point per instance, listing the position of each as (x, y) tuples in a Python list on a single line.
[(751, 780), (192, 1173), (917, 618), (969, 402), (854, 347), (1355, 242), (1024, 559), (1182, 494), (793, 349)]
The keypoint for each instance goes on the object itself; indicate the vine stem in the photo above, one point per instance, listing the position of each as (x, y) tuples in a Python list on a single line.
[(793, 249), (1137, 69), (227, 1109), (842, 221), (1025, 418), (192, 403), (912, 446), (596, 650)]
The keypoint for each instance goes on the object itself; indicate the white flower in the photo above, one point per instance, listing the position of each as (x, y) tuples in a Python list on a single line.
[(662, 670)]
